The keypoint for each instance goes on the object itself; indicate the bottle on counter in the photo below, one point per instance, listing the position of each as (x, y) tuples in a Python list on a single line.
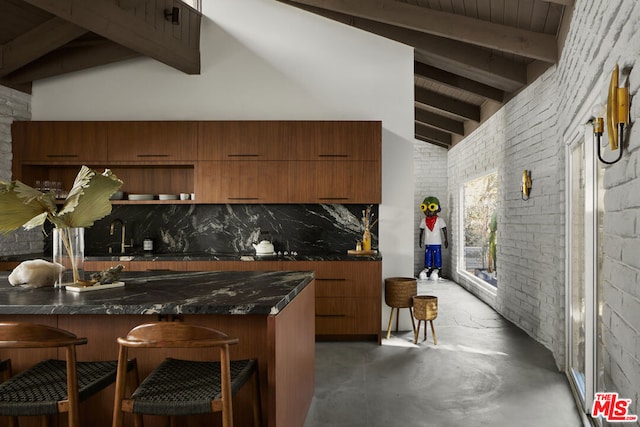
[(147, 245)]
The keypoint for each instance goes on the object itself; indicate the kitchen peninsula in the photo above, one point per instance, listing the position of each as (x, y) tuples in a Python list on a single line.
[(272, 313)]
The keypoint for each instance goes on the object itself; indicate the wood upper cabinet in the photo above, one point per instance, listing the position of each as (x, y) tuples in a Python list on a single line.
[(244, 140), (59, 142), (336, 140), (144, 141), (242, 181), (335, 182)]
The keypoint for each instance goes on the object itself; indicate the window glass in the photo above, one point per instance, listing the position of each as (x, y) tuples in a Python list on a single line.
[(480, 227)]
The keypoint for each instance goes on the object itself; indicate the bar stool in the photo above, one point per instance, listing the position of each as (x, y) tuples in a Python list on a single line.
[(399, 293), (51, 386), (425, 308), (184, 387)]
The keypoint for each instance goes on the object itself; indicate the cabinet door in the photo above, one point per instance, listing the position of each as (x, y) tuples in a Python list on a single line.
[(152, 141), (337, 140), (59, 141), (242, 182), (91, 266), (348, 296), (335, 182), (233, 266), (244, 140)]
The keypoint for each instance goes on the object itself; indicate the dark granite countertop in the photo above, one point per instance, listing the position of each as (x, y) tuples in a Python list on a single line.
[(209, 257), (223, 292)]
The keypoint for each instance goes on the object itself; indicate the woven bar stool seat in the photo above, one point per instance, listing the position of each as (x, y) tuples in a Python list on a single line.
[(51, 386), (179, 387), (399, 293), (425, 309), (185, 387)]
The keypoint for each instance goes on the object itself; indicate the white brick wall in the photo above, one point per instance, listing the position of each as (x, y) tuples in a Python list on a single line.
[(531, 252), (430, 169), (14, 105)]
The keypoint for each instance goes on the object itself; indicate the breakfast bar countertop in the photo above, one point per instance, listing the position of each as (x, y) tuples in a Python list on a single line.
[(220, 292)]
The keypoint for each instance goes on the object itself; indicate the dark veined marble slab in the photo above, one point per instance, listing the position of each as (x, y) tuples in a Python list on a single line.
[(231, 292), (201, 256)]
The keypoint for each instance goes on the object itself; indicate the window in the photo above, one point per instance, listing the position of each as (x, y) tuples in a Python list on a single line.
[(480, 227)]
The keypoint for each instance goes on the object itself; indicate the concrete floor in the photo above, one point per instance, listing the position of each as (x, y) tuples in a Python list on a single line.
[(483, 372)]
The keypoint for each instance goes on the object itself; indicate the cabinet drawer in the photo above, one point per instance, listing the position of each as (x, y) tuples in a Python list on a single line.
[(342, 278), (233, 266), (152, 141), (337, 316), (91, 266)]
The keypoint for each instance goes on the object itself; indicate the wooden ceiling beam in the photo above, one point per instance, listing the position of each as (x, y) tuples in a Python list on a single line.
[(157, 39), (455, 27), (428, 134), (69, 60), (41, 40), (455, 57), (566, 3), (446, 103), (458, 82), (439, 122)]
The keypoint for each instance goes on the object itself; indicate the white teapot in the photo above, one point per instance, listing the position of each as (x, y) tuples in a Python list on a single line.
[(265, 247)]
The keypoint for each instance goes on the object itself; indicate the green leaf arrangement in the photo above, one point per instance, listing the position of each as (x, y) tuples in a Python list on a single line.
[(87, 202)]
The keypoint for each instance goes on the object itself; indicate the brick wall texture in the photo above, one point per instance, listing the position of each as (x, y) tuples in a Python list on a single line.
[(531, 132), (14, 105), (430, 169)]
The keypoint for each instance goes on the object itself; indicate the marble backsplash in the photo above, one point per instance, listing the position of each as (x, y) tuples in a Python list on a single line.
[(194, 228)]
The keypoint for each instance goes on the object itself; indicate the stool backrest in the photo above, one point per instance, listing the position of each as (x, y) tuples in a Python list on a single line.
[(31, 335), (175, 335)]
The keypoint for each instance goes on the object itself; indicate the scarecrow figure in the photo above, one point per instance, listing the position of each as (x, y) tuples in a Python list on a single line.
[(432, 231)]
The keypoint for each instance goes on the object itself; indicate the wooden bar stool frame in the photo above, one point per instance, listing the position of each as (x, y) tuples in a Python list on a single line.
[(182, 335)]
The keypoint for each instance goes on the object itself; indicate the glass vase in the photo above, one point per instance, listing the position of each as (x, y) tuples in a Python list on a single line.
[(366, 240), (68, 250)]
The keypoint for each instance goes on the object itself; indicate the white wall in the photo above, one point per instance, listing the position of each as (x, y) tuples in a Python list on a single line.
[(265, 60)]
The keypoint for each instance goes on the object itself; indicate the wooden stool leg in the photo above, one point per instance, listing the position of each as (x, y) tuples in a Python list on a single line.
[(413, 322), (397, 319), (433, 332), (390, 323), (417, 332)]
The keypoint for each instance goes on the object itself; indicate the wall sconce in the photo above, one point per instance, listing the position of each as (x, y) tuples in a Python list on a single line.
[(526, 184), (172, 15), (617, 114)]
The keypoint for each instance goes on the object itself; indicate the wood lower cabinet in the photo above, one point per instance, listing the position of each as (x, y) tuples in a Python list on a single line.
[(91, 266), (348, 298)]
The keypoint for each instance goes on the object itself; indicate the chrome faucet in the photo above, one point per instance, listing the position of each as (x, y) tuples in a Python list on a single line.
[(123, 245)]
